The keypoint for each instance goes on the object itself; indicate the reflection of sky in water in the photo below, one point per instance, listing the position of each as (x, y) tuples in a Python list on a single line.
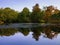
[(20, 39)]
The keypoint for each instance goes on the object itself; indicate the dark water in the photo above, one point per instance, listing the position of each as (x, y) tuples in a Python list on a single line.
[(29, 34)]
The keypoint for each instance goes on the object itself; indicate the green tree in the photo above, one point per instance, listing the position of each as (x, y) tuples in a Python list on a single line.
[(24, 15), (2, 16), (10, 14)]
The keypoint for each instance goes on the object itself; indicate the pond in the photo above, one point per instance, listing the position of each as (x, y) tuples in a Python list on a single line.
[(30, 34)]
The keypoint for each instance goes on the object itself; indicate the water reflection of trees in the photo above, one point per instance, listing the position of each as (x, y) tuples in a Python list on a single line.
[(24, 31), (36, 32), (7, 32), (49, 32)]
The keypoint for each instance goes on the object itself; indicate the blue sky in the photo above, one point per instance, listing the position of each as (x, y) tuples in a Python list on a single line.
[(20, 4)]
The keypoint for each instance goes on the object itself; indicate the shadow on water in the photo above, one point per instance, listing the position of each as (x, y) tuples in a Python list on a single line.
[(48, 31)]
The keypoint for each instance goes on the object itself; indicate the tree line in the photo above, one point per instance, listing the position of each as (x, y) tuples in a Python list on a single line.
[(48, 14)]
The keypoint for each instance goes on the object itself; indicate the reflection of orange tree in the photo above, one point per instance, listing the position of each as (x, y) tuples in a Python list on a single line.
[(36, 33), (7, 32), (49, 33)]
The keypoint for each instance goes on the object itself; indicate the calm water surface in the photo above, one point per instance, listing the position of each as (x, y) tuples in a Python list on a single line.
[(29, 34)]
